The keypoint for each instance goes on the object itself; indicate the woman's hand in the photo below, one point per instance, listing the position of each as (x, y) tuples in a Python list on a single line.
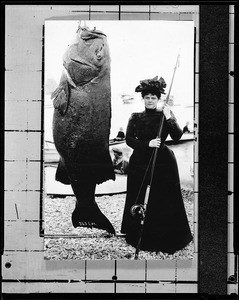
[(155, 143), (166, 111)]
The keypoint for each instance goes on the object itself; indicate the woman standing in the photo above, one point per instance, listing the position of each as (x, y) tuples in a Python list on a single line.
[(166, 227)]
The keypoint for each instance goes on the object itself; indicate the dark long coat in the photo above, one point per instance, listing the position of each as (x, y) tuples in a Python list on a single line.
[(166, 226)]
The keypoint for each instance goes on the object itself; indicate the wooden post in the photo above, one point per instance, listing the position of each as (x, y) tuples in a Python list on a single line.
[(213, 148)]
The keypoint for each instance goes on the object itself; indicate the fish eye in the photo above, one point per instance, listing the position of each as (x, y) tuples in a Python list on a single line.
[(98, 51)]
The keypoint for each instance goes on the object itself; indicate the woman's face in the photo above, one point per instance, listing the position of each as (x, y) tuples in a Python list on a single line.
[(150, 101)]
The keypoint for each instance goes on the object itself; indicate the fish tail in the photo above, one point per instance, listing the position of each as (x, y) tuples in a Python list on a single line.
[(91, 216)]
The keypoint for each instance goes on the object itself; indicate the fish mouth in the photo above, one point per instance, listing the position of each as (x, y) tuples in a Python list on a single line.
[(92, 34), (83, 62), (71, 82)]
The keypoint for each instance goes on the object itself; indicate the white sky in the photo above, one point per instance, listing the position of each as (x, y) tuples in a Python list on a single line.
[(139, 50)]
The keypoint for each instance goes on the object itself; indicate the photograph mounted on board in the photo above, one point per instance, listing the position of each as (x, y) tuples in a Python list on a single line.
[(118, 140)]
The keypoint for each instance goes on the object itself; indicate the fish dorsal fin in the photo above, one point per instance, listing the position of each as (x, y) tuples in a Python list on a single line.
[(61, 97)]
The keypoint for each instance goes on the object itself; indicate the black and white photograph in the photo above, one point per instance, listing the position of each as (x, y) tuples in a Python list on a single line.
[(118, 140), (119, 149)]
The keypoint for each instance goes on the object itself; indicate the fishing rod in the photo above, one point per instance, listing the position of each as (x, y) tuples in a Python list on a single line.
[(141, 209)]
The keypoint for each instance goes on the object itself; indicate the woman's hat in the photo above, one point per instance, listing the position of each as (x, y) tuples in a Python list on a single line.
[(153, 83)]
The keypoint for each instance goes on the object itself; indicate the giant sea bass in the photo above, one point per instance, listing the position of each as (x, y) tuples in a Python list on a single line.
[(81, 124)]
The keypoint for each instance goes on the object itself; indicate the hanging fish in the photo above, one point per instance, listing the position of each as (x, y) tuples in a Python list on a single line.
[(81, 124)]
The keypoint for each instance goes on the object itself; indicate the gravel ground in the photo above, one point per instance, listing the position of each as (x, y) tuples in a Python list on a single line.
[(95, 243)]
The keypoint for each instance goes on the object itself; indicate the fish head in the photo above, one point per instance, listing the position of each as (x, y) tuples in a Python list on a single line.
[(87, 56)]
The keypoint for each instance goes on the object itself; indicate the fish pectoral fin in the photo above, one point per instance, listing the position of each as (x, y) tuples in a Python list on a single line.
[(60, 98)]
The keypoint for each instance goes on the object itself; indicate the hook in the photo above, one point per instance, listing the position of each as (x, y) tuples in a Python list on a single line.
[(82, 27)]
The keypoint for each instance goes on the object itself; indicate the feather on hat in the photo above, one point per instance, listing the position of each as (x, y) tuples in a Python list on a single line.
[(153, 83)]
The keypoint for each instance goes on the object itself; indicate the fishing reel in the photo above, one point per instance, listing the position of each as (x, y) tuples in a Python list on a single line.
[(138, 211)]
